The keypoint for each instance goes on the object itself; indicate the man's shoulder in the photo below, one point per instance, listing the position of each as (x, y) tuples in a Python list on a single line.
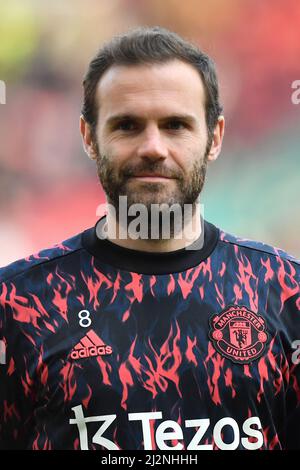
[(56, 251), (258, 248)]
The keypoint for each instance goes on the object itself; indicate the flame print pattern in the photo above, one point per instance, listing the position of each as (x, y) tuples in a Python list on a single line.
[(162, 359)]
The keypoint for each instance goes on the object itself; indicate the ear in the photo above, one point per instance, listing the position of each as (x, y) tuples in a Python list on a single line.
[(216, 144), (88, 143)]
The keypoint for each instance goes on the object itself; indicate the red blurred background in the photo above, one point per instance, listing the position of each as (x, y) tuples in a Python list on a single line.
[(49, 188)]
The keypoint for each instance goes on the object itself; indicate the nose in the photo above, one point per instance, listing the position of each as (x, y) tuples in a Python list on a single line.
[(152, 146)]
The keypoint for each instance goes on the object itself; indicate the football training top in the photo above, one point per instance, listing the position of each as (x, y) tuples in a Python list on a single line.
[(103, 347)]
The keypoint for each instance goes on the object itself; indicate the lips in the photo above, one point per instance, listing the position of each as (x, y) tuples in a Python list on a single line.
[(150, 179), (150, 176)]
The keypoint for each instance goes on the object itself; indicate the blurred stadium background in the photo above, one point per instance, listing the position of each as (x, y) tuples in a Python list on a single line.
[(48, 187)]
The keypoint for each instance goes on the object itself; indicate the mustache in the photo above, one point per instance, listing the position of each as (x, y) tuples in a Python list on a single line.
[(151, 169)]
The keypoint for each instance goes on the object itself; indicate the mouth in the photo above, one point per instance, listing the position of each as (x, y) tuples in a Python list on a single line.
[(150, 177)]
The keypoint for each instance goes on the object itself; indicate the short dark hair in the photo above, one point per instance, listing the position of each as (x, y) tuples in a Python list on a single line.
[(145, 46)]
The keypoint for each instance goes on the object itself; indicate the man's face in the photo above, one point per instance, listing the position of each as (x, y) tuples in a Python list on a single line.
[(151, 135)]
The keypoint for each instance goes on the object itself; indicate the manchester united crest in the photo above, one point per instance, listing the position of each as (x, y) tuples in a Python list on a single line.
[(238, 334)]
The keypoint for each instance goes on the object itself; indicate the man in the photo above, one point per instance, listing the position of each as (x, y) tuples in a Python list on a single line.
[(111, 340)]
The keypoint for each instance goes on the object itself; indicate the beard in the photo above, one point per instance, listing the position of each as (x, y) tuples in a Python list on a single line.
[(183, 189)]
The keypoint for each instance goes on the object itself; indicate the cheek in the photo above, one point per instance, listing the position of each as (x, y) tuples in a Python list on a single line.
[(189, 144), (114, 150), (188, 156)]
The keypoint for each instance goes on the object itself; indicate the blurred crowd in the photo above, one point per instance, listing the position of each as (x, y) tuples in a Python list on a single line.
[(49, 188)]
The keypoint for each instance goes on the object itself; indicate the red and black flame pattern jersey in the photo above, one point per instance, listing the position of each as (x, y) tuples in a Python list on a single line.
[(103, 347)]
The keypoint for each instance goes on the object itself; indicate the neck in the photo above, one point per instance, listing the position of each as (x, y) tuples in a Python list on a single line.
[(127, 235)]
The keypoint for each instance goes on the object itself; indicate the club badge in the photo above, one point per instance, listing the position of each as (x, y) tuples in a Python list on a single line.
[(239, 334)]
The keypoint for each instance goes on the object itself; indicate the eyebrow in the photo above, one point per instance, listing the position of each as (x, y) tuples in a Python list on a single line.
[(123, 117)]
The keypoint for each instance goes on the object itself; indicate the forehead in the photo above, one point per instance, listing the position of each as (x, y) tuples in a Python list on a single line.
[(170, 87)]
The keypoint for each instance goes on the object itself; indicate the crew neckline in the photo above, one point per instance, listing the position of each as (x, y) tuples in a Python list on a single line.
[(145, 262)]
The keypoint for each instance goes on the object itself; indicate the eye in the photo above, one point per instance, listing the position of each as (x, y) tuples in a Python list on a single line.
[(175, 125), (126, 125)]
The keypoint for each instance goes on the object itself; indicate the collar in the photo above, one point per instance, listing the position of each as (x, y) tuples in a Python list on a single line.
[(145, 262)]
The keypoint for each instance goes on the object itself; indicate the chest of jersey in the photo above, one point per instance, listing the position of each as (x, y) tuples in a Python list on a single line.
[(139, 363)]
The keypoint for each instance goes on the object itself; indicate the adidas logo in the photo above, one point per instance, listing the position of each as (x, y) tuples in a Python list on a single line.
[(90, 345)]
